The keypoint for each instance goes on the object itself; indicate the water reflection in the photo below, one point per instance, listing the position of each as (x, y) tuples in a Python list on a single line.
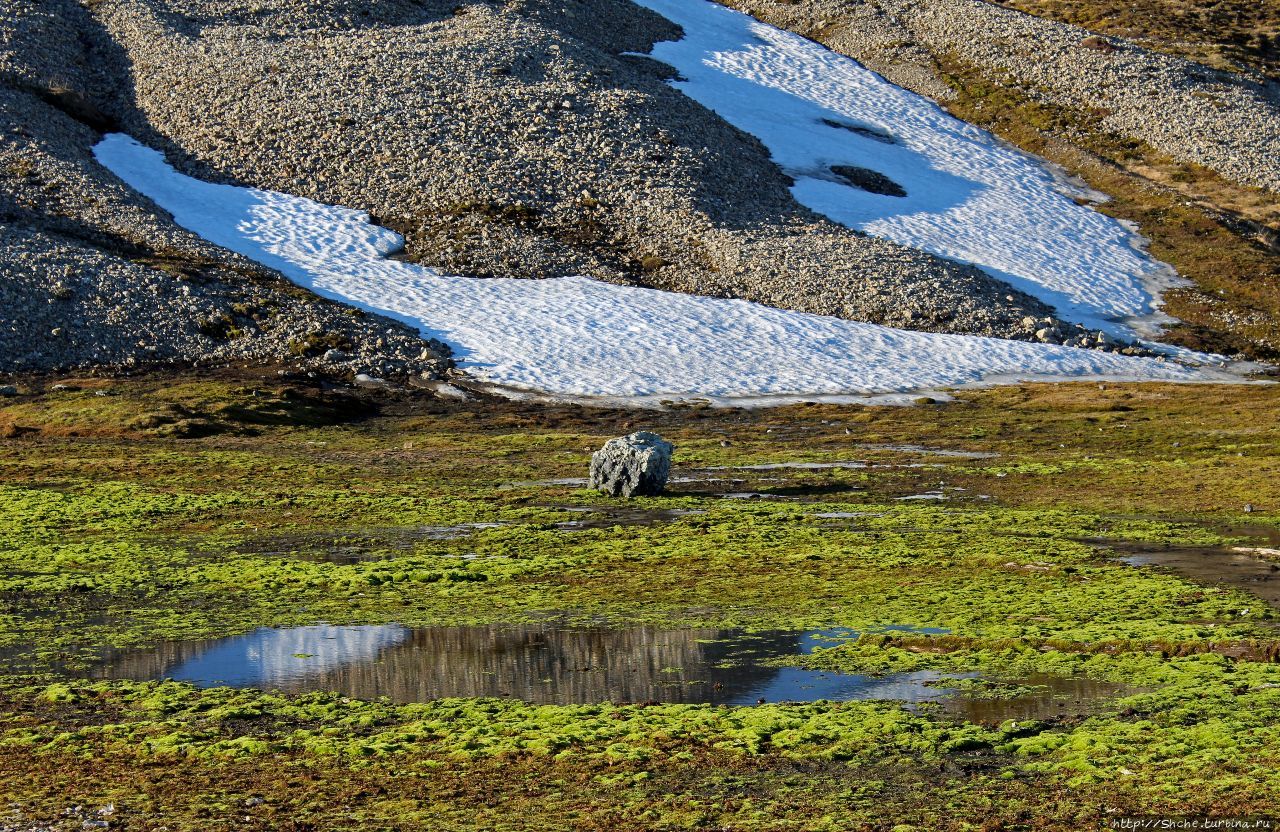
[(1049, 697), (278, 658), (1238, 566), (543, 663)]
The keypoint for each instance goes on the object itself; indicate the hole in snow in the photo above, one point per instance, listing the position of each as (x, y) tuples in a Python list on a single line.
[(868, 180), (861, 130)]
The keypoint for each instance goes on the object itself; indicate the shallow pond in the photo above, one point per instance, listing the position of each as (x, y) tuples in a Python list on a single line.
[(1040, 696), (557, 664), (544, 663), (1237, 566)]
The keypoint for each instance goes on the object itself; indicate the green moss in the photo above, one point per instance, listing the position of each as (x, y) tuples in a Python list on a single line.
[(122, 540), (1210, 716)]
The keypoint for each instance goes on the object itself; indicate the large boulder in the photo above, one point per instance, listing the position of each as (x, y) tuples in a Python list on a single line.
[(632, 466)]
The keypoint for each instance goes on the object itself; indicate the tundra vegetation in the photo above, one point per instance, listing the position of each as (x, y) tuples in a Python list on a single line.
[(122, 532)]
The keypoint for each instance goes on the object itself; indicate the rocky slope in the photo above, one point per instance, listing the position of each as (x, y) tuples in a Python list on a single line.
[(518, 139), (1187, 153), (501, 140), (1220, 120), (91, 274)]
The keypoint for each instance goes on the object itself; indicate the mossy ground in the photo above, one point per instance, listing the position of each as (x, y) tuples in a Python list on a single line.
[(118, 535)]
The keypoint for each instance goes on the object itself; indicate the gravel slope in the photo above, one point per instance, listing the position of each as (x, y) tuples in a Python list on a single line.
[(1221, 120), (92, 274), (515, 139), (518, 141), (501, 140)]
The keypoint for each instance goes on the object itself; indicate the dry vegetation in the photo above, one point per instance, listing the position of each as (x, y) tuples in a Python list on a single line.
[(1237, 35)]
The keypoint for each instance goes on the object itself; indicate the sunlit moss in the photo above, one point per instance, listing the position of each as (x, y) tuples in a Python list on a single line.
[(128, 540)]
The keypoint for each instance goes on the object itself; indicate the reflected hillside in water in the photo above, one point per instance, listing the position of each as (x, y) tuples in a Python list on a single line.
[(541, 663)]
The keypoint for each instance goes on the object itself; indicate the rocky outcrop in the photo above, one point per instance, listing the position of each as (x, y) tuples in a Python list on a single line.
[(636, 465)]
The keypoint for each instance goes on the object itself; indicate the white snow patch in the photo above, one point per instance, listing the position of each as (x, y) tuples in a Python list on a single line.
[(577, 337), (969, 196)]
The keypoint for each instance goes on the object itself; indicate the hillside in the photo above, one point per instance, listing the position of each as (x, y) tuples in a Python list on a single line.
[(528, 141), (1186, 152)]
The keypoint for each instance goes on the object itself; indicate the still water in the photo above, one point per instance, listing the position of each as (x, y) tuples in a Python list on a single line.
[(1237, 566), (543, 663), (556, 664)]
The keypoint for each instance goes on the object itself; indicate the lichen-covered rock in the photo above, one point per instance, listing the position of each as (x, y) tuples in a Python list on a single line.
[(632, 466)]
